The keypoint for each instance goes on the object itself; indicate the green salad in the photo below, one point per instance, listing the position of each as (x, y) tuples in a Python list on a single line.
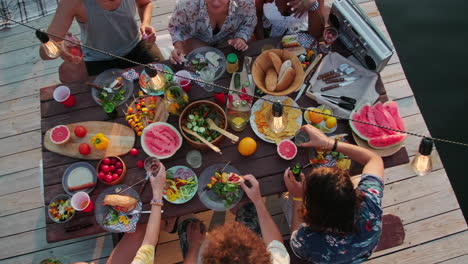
[(196, 121)]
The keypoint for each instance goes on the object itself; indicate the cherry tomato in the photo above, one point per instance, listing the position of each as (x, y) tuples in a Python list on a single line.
[(105, 168), (84, 149), (106, 161), (133, 152), (108, 178), (140, 164), (80, 131)]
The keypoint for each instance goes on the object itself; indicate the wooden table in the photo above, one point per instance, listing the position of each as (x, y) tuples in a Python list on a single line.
[(265, 164)]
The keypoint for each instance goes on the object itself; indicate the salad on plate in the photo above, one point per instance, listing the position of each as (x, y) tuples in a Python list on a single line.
[(226, 186), (60, 210), (181, 184)]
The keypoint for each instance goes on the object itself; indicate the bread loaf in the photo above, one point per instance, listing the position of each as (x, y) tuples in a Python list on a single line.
[(120, 202), (276, 61), (286, 79), (271, 79)]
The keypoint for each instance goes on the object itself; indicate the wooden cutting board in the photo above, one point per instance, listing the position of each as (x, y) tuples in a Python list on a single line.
[(121, 140)]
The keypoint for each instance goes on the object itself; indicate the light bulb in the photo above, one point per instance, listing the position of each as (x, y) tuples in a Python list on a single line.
[(277, 120), (422, 163), (51, 48), (156, 79)]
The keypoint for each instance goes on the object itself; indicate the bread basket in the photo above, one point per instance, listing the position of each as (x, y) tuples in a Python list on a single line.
[(263, 62)]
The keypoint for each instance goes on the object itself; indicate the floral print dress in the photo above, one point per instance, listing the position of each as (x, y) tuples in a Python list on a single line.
[(330, 248), (190, 19)]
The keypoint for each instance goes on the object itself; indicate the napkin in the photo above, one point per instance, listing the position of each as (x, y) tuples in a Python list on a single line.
[(363, 89)]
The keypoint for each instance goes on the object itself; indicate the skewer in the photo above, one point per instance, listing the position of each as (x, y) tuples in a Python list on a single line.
[(138, 182)]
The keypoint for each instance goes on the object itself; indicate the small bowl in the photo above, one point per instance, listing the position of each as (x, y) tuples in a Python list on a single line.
[(122, 176), (322, 125), (59, 197), (263, 62), (214, 107)]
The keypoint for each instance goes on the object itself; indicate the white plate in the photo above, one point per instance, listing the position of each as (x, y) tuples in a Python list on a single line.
[(70, 169), (322, 125), (258, 104), (109, 76)]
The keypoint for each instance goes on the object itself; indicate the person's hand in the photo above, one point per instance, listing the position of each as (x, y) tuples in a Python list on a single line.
[(295, 188), (317, 138), (68, 57), (238, 44), (159, 181), (148, 33), (177, 56), (300, 7), (195, 235), (252, 192)]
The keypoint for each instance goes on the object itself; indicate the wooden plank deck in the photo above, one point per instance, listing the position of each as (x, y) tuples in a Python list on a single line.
[(434, 225)]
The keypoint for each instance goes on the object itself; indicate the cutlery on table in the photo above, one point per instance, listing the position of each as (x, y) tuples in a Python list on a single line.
[(347, 106), (336, 86), (213, 126), (204, 141), (343, 79), (308, 75), (340, 68), (348, 71), (343, 98)]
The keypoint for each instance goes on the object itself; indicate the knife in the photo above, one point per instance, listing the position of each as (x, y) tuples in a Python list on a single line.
[(347, 71), (308, 76), (335, 86), (344, 79)]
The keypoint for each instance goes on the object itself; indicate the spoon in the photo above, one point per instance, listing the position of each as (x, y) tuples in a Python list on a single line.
[(213, 126), (213, 147)]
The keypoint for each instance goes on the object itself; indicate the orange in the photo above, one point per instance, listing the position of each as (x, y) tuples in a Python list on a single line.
[(247, 146), (315, 116)]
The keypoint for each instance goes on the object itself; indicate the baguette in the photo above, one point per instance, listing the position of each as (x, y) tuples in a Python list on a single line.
[(286, 79), (286, 64), (276, 61), (120, 202), (271, 79)]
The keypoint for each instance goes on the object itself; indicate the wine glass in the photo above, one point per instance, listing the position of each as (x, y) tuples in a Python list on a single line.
[(330, 34), (152, 166)]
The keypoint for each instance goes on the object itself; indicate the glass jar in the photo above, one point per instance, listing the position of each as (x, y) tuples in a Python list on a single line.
[(175, 98), (238, 115), (232, 65)]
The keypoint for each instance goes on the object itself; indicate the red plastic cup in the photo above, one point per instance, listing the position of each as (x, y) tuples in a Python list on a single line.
[(186, 82), (80, 201), (63, 95)]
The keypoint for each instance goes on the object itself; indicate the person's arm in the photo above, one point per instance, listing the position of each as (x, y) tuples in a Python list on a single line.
[(179, 29), (270, 230), (246, 27), (154, 222), (296, 192), (145, 11), (259, 34), (195, 236), (373, 163), (316, 21), (61, 23)]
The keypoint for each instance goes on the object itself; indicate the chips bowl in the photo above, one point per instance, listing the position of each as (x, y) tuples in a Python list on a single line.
[(263, 62)]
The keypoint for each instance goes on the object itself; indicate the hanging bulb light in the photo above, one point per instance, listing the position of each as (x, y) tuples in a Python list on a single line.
[(422, 163), (156, 79), (277, 120), (51, 48)]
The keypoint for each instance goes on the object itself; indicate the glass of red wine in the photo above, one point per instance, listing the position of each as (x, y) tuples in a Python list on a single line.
[(330, 34)]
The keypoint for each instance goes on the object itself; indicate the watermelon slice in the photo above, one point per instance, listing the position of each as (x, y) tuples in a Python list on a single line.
[(287, 149), (383, 118), (386, 141), (60, 135), (392, 108)]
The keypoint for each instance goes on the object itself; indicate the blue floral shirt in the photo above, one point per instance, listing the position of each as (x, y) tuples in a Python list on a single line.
[(329, 248)]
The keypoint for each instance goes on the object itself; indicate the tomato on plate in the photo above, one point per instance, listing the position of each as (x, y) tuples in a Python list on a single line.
[(80, 131)]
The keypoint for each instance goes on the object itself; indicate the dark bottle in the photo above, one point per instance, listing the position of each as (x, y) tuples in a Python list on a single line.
[(296, 170)]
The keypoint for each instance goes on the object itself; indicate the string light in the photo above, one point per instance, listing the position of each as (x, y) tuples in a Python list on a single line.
[(51, 48), (240, 92), (276, 119), (156, 79), (422, 163)]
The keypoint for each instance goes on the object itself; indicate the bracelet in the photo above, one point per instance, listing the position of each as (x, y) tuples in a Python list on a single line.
[(315, 6), (157, 202), (297, 199), (335, 145)]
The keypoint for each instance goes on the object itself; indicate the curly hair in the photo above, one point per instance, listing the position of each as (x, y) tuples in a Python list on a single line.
[(330, 200), (234, 243)]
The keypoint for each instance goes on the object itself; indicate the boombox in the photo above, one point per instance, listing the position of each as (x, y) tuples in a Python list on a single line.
[(360, 35)]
